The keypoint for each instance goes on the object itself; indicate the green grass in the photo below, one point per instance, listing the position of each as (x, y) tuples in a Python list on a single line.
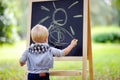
[(106, 58), (106, 63), (9, 58)]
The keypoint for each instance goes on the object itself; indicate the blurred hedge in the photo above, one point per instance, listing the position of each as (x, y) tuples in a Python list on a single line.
[(106, 37), (106, 34)]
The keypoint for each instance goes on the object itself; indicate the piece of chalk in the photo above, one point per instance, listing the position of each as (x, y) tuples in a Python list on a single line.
[(76, 40)]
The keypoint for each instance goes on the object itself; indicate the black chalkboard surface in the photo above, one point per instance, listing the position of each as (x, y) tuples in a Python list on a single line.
[(64, 20)]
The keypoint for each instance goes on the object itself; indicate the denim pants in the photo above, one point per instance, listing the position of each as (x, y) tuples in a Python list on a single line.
[(33, 76)]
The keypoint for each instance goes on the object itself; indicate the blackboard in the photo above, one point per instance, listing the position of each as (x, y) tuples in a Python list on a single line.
[(64, 20)]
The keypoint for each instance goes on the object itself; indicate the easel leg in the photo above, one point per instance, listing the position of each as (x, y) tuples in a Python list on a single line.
[(84, 67), (89, 45), (91, 68)]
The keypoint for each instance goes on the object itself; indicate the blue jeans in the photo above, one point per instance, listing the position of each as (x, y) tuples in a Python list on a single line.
[(33, 76)]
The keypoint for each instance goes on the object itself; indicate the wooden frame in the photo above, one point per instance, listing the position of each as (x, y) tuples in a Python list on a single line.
[(87, 50)]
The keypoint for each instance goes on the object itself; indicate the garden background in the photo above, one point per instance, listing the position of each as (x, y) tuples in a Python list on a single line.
[(105, 31)]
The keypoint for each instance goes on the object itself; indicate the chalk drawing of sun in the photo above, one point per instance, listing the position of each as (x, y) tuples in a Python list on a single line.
[(57, 32)]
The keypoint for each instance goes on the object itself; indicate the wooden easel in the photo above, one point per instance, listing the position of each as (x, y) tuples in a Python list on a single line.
[(87, 52)]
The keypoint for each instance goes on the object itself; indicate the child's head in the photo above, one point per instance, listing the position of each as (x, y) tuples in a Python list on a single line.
[(39, 34)]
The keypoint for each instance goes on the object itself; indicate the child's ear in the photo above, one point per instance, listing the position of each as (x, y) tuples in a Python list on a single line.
[(47, 39)]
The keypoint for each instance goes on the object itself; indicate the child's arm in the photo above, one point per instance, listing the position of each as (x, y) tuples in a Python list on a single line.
[(70, 47), (23, 59)]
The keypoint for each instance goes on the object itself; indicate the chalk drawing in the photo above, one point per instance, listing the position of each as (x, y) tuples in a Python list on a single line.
[(57, 32)]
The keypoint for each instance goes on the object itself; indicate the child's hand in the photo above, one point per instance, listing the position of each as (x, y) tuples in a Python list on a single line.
[(71, 46), (74, 42)]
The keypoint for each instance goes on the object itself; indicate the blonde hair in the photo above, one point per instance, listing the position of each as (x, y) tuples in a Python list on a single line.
[(39, 33)]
